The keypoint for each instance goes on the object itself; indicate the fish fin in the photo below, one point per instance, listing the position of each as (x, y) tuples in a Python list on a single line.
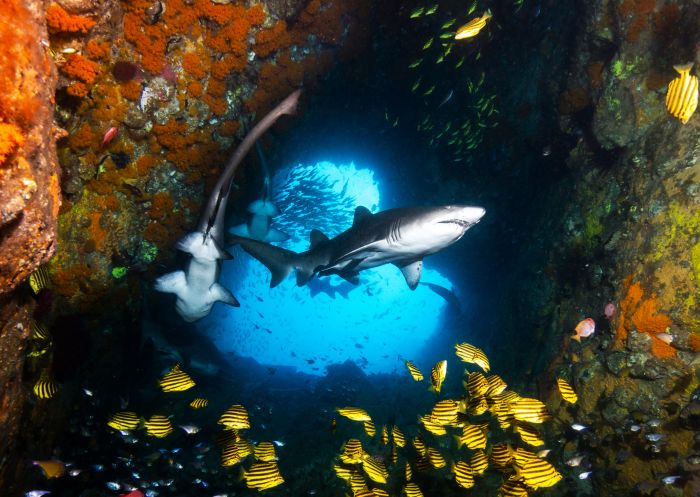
[(683, 68), (315, 238), (223, 294), (411, 271), (240, 230), (576, 337), (361, 213), (279, 261), (350, 277), (202, 246), (173, 282), (263, 208), (304, 274), (275, 235)]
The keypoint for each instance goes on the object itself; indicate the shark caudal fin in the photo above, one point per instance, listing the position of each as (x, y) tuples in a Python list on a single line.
[(279, 261)]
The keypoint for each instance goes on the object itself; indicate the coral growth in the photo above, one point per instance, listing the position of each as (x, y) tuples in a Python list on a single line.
[(79, 67), (10, 139), (60, 21), (641, 314)]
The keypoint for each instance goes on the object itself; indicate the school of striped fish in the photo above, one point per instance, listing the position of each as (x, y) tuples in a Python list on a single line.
[(485, 428)]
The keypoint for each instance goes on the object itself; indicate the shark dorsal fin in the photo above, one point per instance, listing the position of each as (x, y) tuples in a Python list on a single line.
[(361, 213), (317, 237)]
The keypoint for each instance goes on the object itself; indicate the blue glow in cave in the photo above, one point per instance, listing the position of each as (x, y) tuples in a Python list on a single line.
[(377, 324)]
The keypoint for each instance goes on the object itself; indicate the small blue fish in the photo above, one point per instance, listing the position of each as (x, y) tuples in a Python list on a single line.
[(670, 480), (36, 493)]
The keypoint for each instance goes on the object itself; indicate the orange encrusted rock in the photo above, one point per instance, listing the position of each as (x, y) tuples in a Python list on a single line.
[(81, 68), (60, 21)]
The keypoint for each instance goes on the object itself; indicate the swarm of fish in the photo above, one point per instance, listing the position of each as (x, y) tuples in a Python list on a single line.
[(523, 470)]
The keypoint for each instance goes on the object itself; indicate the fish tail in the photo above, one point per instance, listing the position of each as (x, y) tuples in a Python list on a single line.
[(683, 68), (279, 261), (576, 337)]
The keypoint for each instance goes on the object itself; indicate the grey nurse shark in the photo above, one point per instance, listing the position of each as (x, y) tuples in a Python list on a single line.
[(261, 212), (402, 237), (197, 287)]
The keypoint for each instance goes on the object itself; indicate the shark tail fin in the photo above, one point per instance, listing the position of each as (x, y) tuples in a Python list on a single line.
[(279, 261)]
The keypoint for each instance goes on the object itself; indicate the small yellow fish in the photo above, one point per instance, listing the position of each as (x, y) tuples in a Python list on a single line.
[(199, 403), (479, 462), (265, 452), (262, 475), (51, 468), (682, 94), (39, 331), (431, 10), (464, 477), (376, 470), (448, 24), (472, 28), (538, 473), (235, 418), (416, 85), (472, 9), (412, 490), (124, 421), (352, 452), (436, 459), (429, 91), (398, 436), (39, 279), (437, 375), (354, 413), (45, 388), (417, 12), (428, 43), (567, 393), (370, 429), (158, 426), (176, 380), (415, 63)]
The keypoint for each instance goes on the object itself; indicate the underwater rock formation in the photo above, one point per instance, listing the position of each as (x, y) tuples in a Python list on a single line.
[(29, 197)]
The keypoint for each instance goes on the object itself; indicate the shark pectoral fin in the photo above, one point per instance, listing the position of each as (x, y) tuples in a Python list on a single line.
[(361, 213), (202, 246), (274, 235), (411, 271), (174, 282), (223, 294), (240, 230)]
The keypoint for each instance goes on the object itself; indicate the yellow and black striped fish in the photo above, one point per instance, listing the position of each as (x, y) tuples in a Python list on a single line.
[(682, 93), (412, 490), (513, 488), (158, 426), (176, 380), (235, 417), (199, 403), (357, 481), (379, 492), (244, 447), (479, 462), (423, 464), (385, 435), (496, 386), (472, 436), (436, 459), (39, 331), (364, 492), (432, 426), (45, 387), (376, 470), (39, 279), (265, 452), (394, 456), (415, 372), (408, 472), (567, 393), (501, 456), (352, 452), (477, 384), (463, 474), (262, 475), (530, 410), (230, 455), (227, 437), (538, 473), (522, 456), (370, 429), (472, 355), (437, 375), (124, 421), (445, 412), (398, 436), (419, 445), (354, 413), (343, 472), (529, 435), (478, 406), (472, 28)]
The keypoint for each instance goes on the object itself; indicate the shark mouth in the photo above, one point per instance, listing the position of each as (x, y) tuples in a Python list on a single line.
[(460, 222)]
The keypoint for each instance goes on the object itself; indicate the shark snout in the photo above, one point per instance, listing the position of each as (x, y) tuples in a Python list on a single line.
[(463, 215)]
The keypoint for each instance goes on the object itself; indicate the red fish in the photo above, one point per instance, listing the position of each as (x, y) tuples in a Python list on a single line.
[(135, 493), (109, 135), (584, 329)]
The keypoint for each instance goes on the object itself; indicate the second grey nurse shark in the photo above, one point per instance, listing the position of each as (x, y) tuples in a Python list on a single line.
[(197, 287), (398, 236)]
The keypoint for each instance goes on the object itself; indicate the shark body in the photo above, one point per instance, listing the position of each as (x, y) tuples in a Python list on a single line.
[(261, 212), (197, 287), (402, 237)]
